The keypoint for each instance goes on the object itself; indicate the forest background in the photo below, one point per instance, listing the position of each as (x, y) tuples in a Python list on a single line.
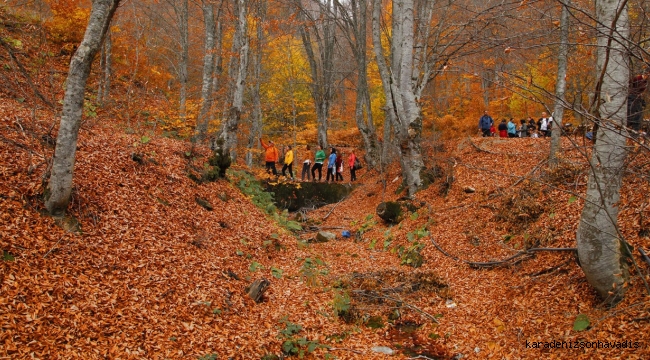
[(293, 72), (505, 62)]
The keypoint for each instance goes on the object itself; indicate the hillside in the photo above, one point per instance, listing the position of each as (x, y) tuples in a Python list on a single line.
[(153, 275)]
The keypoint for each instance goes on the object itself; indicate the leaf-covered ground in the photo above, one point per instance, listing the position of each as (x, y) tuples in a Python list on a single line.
[(153, 275)]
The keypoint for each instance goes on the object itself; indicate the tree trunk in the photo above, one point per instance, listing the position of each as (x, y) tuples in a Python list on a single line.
[(560, 85), (390, 211), (183, 16), (321, 66), (257, 289), (599, 247), (59, 188), (208, 69), (237, 73), (354, 22), (105, 65), (386, 81), (399, 87), (256, 118)]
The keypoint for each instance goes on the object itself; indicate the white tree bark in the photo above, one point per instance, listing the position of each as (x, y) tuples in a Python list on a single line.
[(400, 84), (105, 64), (184, 57), (321, 60), (57, 196), (354, 22), (256, 116), (599, 246), (208, 67), (237, 72), (181, 11), (560, 84), (386, 81)]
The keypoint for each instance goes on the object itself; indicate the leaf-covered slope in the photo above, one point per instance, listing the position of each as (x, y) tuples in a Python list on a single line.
[(517, 203)]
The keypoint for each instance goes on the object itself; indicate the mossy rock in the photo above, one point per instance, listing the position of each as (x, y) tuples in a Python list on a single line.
[(375, 322), (292, 197), (68, 223), (204, 203), (429, 175), (390, 211)]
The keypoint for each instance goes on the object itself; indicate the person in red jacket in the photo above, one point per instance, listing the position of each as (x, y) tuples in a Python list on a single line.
[(339, 166), (635, 101), (271, 156), (353, 171)]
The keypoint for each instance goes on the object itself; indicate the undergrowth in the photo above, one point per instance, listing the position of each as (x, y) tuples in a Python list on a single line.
[(253, 189)]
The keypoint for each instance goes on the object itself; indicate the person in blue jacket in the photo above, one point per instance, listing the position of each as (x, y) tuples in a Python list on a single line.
[(331, 165), (512, 129), (484, 124)]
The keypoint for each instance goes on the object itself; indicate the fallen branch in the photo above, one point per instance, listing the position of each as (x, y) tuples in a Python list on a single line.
[(490, 264), (53, 247), (345, 349), (549, 270), (644, 256), (25, 73), (480, 148), (399, 301), (529, 173)]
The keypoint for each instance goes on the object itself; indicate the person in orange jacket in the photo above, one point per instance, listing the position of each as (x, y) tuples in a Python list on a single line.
[(271, 156)]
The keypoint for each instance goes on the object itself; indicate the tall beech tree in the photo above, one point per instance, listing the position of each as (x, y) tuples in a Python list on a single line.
[(255, 131), (237, 70), (560, 84), (354, 22), (59, 188), (211, 61), (418, 53), (600, 248), (317, 31)]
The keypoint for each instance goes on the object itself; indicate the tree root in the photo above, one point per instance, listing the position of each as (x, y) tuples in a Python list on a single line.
[(505, 262)]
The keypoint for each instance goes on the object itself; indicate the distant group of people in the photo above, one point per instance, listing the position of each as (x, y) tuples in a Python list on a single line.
[(509, 128), (334, 163)]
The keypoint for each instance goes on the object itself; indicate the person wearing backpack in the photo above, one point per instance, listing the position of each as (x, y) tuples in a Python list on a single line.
[(503, 128), (353, 162), (484, 124), (339, 166), (318, 164)]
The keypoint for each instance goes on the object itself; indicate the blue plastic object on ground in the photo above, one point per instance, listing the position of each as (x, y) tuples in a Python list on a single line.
[(345, 233)]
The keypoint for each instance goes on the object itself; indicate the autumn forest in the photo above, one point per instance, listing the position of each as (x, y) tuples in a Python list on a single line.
[(498, 206)]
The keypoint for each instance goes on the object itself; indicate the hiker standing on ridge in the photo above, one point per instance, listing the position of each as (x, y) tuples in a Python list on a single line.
[(484, 124), (288, 162), (271, 156), (635, 101), (318, 163), (331, 166), (306, 165), (352, 159), (339, 166)]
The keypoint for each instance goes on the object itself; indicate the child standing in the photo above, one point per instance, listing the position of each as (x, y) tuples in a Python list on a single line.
[(306, 164), (339, 167)]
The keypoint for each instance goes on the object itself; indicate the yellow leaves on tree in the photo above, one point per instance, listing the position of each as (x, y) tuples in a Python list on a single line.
[(69, 19)]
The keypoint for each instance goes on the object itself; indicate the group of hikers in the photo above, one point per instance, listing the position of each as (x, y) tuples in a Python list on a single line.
[(526, 127), (334, 162)]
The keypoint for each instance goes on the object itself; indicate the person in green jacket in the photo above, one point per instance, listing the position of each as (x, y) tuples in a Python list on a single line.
[(318, 164)]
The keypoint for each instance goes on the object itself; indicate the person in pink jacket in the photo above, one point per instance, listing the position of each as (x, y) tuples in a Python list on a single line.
[(351, 160)]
